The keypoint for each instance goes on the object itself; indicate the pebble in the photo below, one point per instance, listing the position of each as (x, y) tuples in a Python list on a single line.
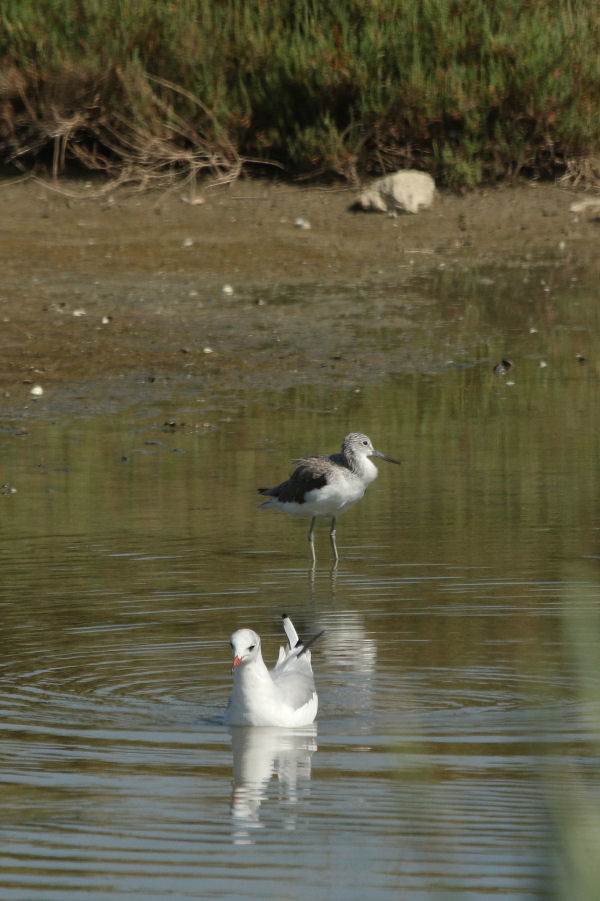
[(502, 368), (227, 289), (37, 391), (302, 223)]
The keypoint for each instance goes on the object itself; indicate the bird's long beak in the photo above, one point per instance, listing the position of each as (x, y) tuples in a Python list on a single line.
[(236, 662), (383, 457)]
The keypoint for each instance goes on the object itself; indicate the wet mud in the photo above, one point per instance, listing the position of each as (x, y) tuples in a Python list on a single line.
[(253, 285)]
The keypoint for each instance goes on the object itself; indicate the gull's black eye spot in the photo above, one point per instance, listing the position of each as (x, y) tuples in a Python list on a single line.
[(366, 443), (252, 646)]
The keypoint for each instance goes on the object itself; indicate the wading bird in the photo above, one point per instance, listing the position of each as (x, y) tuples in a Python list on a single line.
[(327, 485)]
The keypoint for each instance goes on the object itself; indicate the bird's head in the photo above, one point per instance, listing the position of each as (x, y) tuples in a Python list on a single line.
[(358, 445), (245, 645)]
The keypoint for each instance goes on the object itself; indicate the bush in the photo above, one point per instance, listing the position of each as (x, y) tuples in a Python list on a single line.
[(470, 90)]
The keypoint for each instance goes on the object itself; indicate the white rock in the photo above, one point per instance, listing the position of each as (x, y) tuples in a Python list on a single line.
[(227, 289), (591, 205), (407, 190), (301, 223), (37, 391)]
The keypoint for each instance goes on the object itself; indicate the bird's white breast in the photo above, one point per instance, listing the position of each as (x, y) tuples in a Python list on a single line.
[(344, 488), (255, 701), (334, 498)]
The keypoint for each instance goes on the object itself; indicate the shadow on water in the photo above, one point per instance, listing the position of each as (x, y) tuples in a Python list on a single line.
[(458, 720)]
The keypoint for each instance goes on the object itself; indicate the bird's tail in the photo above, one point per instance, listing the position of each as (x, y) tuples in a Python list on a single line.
[(292, 636), (295, 642)]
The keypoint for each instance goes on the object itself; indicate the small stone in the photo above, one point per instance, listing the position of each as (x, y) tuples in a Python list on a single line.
[(37, 391), (227, 289), (502, 367), (188, 242), (302, 223), (582, 206)]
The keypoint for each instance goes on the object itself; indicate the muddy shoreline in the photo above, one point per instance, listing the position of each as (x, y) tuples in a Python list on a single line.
[(128, 290)]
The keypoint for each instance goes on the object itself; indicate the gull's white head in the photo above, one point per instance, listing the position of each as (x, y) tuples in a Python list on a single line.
[(245, 645)]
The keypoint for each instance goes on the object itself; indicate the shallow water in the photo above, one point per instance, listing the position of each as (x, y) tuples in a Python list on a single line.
[(456, 750)]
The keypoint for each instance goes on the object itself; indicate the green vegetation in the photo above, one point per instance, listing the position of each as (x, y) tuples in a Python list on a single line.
[(470, 90)]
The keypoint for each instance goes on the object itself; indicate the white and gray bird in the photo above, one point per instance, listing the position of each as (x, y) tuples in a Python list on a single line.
[(327, 485), (283, 696)]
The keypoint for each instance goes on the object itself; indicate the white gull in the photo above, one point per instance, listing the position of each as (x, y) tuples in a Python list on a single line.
[(283, 696)]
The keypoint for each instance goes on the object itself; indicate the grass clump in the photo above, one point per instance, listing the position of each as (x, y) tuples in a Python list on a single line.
[(470, 90)]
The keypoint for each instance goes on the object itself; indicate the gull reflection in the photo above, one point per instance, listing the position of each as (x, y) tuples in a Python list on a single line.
[(259, 753), (347, 642), (350, 649)]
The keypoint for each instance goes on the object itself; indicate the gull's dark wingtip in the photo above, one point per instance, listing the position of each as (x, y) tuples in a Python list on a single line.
[(311, 642)]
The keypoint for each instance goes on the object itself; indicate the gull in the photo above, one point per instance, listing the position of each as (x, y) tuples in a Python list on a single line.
[(327, 485), (283, 696)]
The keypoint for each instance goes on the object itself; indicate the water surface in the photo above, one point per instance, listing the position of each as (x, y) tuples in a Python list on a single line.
[(456, 750)]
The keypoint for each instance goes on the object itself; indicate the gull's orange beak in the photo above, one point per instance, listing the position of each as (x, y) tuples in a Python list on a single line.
[(236, 662)]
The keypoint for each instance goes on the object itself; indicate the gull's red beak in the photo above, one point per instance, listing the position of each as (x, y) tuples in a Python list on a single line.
[(236, 662)]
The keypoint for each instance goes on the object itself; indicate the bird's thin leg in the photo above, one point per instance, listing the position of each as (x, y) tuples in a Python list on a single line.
[(311, 538), (336, 556)]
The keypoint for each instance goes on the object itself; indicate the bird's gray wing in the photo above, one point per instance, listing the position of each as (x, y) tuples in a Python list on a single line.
[(310, 473), (294, 679)]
